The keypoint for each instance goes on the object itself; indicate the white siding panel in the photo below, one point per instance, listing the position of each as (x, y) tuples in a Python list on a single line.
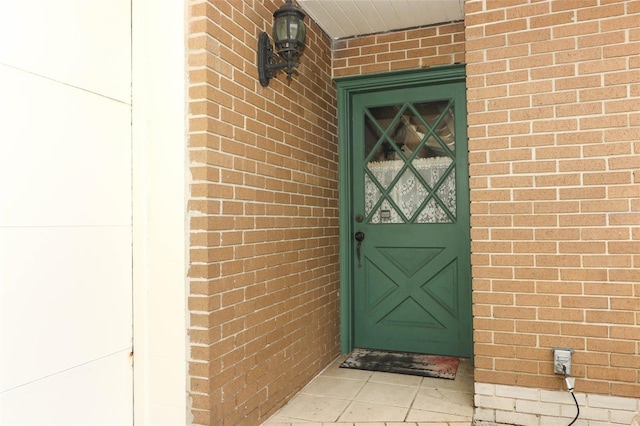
[(84, 43), (65, 156), (66, 299), (65, 212), (96, 393)]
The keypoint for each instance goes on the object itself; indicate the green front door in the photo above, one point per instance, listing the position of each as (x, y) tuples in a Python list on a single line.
[(409, 220)]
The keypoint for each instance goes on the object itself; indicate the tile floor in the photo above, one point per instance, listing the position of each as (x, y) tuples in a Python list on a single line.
[(347, 397)]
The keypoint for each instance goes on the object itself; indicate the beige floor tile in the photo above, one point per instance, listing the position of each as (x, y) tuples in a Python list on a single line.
[(441, 401), (465, 367), (366, 412), (314, 408), (273, 421), (349, 397), (449, 385), (335, 387), (442, 424), (431, 416), (337, 424), (433, 424), (372, 424), (299, 423), (387, 394), (402, 424), (285, 421), (464, 423)]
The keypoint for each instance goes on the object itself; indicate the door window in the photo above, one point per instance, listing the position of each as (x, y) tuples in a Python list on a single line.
[(410, 163)]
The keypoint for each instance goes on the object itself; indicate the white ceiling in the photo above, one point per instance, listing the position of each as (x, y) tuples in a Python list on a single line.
[(348, 18)]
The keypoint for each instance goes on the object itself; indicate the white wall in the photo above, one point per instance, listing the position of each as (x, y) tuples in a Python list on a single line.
[(92, 211), (505, 405), (65, 212)]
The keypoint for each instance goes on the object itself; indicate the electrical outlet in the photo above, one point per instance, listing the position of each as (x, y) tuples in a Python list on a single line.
[(562, 357)]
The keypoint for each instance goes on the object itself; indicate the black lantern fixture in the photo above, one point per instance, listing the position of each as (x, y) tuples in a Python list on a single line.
[(288, 36)]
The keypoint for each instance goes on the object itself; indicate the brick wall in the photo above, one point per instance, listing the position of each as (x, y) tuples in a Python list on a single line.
[(263, 214), (553, 99), (399, 50), (554, 125)]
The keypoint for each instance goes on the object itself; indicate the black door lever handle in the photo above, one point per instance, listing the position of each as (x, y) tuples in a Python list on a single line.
[(359, 236)]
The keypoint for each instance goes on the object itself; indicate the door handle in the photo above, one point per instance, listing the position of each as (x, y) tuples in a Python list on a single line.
[(359, 236)]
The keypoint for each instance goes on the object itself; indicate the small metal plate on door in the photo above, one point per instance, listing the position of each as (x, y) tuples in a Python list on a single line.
[(385, 214)]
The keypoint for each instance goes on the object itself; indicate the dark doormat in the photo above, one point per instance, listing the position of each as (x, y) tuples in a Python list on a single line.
[(442, 367)]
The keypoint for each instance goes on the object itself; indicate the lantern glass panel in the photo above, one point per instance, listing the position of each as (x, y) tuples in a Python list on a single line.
[(280, 30), (288, 35)]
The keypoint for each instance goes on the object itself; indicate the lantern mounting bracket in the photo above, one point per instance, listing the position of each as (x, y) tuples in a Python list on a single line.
[(269, 63)]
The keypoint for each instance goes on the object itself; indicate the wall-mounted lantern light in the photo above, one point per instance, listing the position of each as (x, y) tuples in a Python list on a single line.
[(288, 36)]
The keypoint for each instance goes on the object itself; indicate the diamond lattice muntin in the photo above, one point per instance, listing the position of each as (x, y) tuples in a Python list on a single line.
[(410, 163)]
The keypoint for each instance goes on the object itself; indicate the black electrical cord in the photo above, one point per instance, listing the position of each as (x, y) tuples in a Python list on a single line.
[(570, 388), (577, 408)]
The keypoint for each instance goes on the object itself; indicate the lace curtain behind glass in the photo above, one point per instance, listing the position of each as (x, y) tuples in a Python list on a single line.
[(408, 193)]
